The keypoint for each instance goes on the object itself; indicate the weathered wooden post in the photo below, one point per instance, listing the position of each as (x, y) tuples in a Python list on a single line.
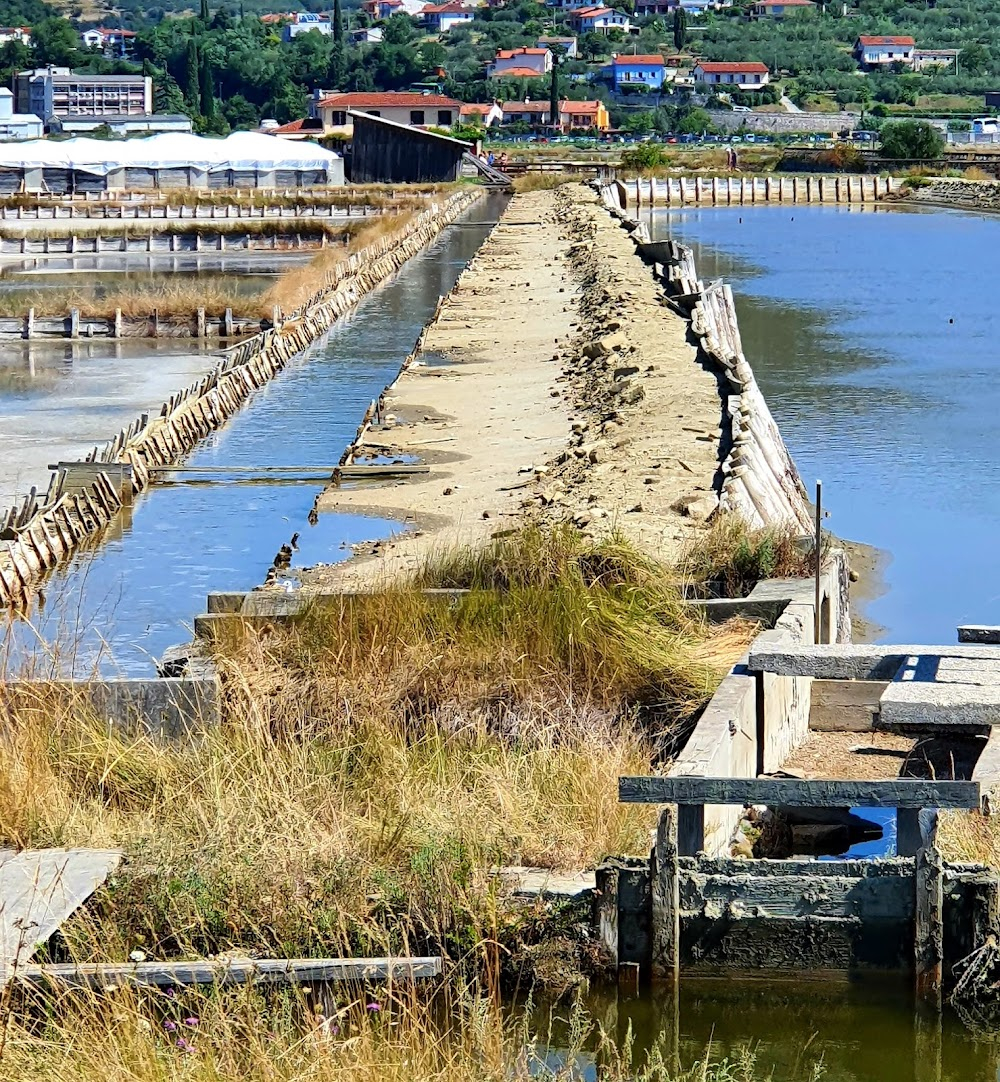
[(666, 899)]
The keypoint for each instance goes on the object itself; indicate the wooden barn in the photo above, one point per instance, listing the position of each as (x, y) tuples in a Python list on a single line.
[(385, 152)]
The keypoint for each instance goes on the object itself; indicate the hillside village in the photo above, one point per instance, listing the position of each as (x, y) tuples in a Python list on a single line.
[(646, 66)]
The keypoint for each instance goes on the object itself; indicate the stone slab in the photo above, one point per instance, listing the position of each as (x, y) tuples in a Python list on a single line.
[(39, 889), (917, 703), (546, 883), (857, 661)]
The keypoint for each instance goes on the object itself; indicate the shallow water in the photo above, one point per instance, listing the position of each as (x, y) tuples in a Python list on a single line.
[(874, 336), (853, 1032), (128, 601)]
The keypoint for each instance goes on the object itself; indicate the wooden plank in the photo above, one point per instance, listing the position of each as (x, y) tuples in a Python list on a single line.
[(39, 889), (690, 828), (375, 470), (845, 706), (229, 971), (987, 768), (814, 793), (886, 898)]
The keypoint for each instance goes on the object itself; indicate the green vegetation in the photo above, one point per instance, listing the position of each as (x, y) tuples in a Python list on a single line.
[(911, 139)]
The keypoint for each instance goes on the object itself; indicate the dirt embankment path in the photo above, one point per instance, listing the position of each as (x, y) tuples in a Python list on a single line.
[(554, 383)]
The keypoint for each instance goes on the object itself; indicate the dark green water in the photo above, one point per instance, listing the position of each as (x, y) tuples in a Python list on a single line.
[(875, 337)]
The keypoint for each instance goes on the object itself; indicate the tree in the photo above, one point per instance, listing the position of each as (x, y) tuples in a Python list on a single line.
[(54, 41), (680, 29), (694, 122), (397, 29), (206, 94), (205, 15), (974, 59), (167, 96), (192, 91), (338, 22), (911, 139), (240, 113)]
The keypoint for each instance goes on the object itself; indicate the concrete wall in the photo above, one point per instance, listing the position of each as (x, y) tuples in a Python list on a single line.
[(724, 743), (747, 190)]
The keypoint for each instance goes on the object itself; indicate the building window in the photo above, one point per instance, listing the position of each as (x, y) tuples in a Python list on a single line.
[(416, 116), (444, 117), (338, 118)]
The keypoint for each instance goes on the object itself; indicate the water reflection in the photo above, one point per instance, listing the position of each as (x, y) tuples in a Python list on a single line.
[(880, 374), (133, 597)]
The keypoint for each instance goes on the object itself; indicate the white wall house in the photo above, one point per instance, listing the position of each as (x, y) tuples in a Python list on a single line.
[(599, 20), (741, 76), (520, 64), (880, 52)]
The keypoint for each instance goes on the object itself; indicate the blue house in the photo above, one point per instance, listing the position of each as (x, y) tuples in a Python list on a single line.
[(631, 71)]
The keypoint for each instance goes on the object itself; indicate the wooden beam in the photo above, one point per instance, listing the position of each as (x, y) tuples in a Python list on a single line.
[(812, 793), (690, 829), (227, 971), (381, 469)]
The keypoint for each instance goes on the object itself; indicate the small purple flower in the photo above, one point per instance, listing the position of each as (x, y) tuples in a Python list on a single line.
[(170, 993), (191, 1021), (169, 1026), (373, 1007), (184, 1046)]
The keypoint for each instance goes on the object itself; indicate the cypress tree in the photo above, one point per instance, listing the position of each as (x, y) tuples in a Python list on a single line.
[(338, 22), (205, 14), (192, 93), (680, 29), (554, 94), (205, 87)]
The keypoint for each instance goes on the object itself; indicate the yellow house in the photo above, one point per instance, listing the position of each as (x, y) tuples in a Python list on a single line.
[(583, 116)]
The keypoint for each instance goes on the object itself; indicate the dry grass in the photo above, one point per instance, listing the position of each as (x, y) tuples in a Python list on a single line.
[(129, 1036), (730, 557), (376, 759), (300, 284), (543, 182)]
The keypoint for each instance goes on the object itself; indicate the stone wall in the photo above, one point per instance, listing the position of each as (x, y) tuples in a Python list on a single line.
[(969, 194), (780, 122)]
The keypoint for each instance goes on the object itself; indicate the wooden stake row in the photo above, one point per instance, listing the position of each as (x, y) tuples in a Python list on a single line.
[(39, 535)]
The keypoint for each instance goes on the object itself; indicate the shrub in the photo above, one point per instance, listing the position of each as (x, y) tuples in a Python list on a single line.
[(911, 139), (644, 156)]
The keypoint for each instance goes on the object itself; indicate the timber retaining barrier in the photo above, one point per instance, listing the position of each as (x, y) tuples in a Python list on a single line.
[(751, 190), (42, 532), (760, 481)]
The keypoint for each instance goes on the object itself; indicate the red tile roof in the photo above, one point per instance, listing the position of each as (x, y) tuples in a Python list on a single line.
[(655, 59), (589, 13), (307, 124), (509, 54), (470, 107), (743, 68), (525, 106), (452, 7), (878, 40), (388, 100), (785, 3), (579, 106), (519, 73)]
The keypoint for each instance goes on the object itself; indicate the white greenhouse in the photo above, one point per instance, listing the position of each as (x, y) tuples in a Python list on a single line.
[(171, 160)]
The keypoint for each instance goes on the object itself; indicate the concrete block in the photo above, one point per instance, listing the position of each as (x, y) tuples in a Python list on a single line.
[(857, 661)]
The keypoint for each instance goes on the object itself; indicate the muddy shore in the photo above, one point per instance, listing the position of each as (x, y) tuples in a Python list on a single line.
[(553, 383)]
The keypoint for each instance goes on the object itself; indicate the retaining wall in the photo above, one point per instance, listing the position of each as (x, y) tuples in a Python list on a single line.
[(783, 122), (740, 733), (164, 241), (969, 194), (747, 190), (146, 211), (40, 533)]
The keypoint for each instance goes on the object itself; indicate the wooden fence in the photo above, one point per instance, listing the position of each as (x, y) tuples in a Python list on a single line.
[(41, 532)]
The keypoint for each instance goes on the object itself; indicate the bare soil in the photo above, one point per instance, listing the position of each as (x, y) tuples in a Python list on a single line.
[(554, 383), (877, 756)]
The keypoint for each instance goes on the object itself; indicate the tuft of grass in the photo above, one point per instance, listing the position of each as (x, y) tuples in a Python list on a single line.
[(730, 557)]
